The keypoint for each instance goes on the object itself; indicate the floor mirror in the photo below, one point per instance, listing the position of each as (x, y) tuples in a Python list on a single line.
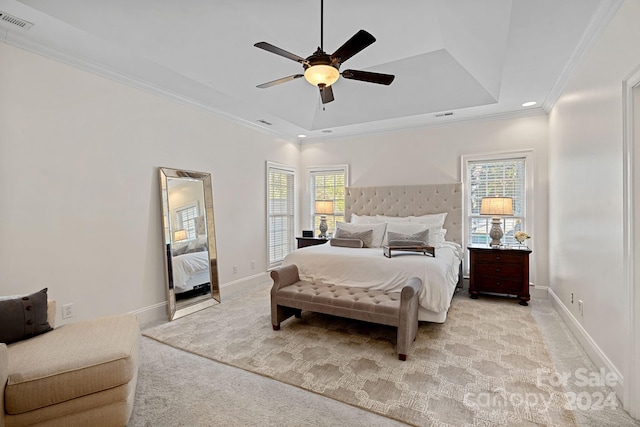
[(191, 261)]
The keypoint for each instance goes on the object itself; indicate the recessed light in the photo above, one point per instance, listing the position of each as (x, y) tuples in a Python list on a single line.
[(327, 131), (529, 104), (302, 135)]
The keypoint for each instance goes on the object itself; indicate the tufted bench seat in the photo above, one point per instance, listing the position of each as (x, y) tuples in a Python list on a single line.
[(290, 295)]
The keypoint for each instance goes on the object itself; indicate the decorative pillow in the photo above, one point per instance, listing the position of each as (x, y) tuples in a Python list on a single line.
[(403, 228), (420, 238), (23, 317), (377, 229), (384, 218), (431, 220), (363, 236), (180, 250), (346, 243)]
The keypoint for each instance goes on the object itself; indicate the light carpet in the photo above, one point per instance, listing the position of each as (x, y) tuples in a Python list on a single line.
[(483, 366)]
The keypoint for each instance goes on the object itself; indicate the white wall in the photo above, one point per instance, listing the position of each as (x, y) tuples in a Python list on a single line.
[(586, 192), (432, 155), (80, 204)]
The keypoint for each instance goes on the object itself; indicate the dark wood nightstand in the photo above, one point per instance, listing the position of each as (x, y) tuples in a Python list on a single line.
[(500, 271), (303, 242)]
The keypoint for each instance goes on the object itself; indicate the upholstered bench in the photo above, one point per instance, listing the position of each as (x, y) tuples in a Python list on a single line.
[(290, 295)]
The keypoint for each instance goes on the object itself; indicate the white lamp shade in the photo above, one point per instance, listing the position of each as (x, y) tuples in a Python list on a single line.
[(324, 207), (321, 74), (180, 235), (496, 206)]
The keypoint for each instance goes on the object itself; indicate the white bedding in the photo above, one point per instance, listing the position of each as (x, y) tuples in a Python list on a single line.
[(188, 266), (369, 268)]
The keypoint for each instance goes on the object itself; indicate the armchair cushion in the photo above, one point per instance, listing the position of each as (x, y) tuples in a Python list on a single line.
[(23, 317), (72, 361)]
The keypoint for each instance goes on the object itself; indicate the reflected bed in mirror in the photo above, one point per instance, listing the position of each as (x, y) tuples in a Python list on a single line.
[(191, 272)]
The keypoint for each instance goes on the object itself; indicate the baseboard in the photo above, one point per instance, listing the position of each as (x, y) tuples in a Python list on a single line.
[(238, 287), (594, 352), (153, 313), (541, 292)]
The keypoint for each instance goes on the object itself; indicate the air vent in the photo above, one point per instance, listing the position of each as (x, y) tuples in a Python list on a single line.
[(450, 113), (9, 19), (264, 122)]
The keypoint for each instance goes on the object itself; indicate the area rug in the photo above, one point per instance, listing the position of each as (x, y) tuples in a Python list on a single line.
[(487, 365)]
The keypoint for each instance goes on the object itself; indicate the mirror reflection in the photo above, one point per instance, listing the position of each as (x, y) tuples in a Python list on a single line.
[(189, 236)]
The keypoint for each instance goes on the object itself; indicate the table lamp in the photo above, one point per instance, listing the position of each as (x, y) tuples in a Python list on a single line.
[(324, 207), (179, 235), (496, 207)]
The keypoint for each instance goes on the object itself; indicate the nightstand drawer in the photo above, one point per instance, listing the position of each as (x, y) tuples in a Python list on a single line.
[(512, 270), (502, 257), (498, 284)]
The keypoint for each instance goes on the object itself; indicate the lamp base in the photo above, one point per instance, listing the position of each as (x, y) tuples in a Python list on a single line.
[(496, 232), (323, 227)]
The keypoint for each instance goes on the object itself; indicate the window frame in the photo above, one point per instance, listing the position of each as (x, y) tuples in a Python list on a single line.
[(528, 221), (290, 170), (309, 207)]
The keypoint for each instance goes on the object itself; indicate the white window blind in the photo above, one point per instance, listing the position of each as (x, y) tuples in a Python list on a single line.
[(280, 212), (187, 219), (497, 177), (327, 183)]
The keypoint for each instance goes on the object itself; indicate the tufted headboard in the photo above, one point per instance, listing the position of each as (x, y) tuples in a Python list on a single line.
[(409, 200)]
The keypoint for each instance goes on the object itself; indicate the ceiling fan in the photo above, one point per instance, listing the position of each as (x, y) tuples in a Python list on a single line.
[(322, 70)]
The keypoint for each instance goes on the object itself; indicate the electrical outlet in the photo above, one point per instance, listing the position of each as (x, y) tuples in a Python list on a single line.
[(253, 264), (581, 307), (235, 269), (67, 311), (571, 297)]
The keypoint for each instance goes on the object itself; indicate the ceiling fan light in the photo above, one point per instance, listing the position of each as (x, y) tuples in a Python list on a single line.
[(321, 74)]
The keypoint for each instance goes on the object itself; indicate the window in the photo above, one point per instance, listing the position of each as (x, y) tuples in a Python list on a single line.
[(280, 211), (328, 184), (498, 175), (186, 217)]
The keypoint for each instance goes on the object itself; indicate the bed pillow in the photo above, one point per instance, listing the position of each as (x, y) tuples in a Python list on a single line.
[(346, 243), (376, 236), (400, 239), (23, 317), (384, 218), (431, 220), (364, 219), (364, 236)]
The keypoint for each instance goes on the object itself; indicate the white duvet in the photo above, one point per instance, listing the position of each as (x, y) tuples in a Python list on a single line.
[(369, 268), (187, 265)]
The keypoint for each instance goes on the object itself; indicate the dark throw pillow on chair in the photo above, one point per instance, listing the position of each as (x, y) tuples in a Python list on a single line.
[(23, 317)]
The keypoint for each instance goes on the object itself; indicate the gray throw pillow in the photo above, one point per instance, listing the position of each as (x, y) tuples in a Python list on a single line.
[(23, 317), (346, 243), (365, 236), (421, 238)]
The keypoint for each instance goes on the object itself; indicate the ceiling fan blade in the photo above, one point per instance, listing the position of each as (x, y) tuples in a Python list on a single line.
[(367, 76), (282, 80), (326, 93), (355, 44), (273, 49)]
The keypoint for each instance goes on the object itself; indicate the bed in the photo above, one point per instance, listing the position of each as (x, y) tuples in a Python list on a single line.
[(368, 267), (190, 266)]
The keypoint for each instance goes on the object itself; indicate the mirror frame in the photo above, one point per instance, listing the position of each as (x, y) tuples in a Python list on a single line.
[(173, 311)]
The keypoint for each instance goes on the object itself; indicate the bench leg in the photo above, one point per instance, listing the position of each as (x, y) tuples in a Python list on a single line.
[(276, 327), (402, 357), (298, 314)]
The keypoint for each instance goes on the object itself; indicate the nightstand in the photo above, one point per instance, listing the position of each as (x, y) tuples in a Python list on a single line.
[(499, 270), (303, 242)]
